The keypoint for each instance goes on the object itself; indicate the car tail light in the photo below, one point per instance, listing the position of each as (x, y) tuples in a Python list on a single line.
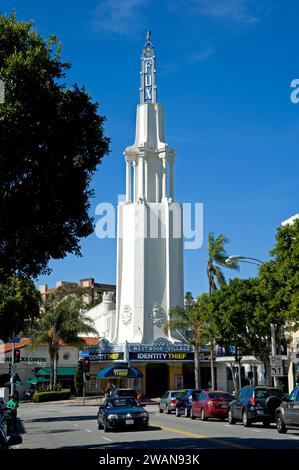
[(173, 401), (210, 403), (252, 401)]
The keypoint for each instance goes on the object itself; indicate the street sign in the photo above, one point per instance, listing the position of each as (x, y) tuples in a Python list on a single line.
[(295, 357), (276, 361), (14, 340), (277, 372), (84, 353)]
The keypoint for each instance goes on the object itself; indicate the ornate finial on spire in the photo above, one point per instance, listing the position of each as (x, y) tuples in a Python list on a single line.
[(148, 88)]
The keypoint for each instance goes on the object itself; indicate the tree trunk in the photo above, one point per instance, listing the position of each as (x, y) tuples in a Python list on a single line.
[(212, 366), (197, 367), (233, 372), (51, 374), (267, 373), (55, 372)]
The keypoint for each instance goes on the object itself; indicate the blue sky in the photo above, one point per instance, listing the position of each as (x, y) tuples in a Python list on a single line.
[(224, 69)]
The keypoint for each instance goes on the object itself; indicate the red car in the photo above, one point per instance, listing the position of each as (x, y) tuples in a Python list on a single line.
[(211, 404)]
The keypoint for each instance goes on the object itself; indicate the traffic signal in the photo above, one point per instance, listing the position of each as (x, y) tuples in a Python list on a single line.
[(86, 364), (17, 355)]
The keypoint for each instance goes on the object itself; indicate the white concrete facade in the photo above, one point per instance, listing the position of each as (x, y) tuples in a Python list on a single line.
[(150, 238)]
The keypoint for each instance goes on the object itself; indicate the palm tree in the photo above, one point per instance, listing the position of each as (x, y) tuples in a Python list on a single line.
[(217, 257), (61, 323), (189, 320)]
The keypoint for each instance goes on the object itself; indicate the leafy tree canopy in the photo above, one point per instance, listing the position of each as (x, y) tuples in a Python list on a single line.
[(19, 306), (51, 141)]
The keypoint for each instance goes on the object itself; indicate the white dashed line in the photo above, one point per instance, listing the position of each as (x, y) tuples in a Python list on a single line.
[(77, 425), (255, 430), (107, 439), (88, 430)]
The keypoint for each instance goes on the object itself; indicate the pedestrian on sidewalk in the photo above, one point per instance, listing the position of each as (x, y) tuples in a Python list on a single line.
[(12, 406)]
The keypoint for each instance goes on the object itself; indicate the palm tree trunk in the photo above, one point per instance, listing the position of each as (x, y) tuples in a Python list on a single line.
[(197, 367), (51, 374), (55, 372)]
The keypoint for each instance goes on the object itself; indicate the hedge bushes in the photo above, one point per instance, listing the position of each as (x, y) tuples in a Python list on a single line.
[(63, 394)]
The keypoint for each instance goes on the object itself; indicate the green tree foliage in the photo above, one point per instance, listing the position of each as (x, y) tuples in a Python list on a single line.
[(238, 315), (19, 306), (51, 141), (217, 257), (189, 320), (280, 276), (62, 321)]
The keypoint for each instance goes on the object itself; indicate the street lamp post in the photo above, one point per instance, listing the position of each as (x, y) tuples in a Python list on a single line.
[(247, 259)]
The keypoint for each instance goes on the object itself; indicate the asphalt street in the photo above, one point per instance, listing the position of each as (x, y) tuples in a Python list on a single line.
[(73, 425)]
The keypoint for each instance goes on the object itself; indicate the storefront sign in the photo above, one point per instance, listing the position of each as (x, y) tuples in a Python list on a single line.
[(162, 356), (102, 357), (28, 359)]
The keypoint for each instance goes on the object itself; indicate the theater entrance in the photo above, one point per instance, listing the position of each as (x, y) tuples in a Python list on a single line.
[(156, 379)]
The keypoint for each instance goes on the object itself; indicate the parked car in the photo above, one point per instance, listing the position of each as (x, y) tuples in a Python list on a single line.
[(185, 400), (124, 392), (287, 414), (255, 404), (210, 404), (122, 412), (5, 441), (168, 401)]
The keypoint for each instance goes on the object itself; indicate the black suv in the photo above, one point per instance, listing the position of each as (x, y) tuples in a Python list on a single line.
[(255, 404), (184, 401)]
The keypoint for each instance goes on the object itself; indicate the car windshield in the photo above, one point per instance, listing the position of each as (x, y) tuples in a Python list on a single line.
[(122, 403), (175, 394), (270, 392), (220, 396)]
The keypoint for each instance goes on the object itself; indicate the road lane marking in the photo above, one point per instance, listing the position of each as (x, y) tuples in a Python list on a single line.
[(202, 436), (255, 430), (88, 430), (77, 425), (107, 439)]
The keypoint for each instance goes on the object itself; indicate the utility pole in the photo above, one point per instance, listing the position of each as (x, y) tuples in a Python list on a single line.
[(273, 349), (12, 371), (84, 386)]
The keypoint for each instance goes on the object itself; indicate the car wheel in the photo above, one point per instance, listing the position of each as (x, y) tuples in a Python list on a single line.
[(100, 426), (281, 427), (202, 415), (246, 421), (160, 410), (186, 413), (231, 419), (177, 413), (168, 410), (191, 414)]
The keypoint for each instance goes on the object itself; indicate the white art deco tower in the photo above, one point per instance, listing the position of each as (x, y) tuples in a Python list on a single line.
[(150, 239)]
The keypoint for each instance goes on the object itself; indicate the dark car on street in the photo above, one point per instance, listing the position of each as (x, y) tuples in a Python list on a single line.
[(124, 392), (255, 404), (287, 414), (5, 441), (185, 400), (210, 404), (125, 412)]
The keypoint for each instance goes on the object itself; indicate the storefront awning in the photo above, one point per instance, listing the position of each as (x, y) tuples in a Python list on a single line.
[(119, 372), (61, 372)]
